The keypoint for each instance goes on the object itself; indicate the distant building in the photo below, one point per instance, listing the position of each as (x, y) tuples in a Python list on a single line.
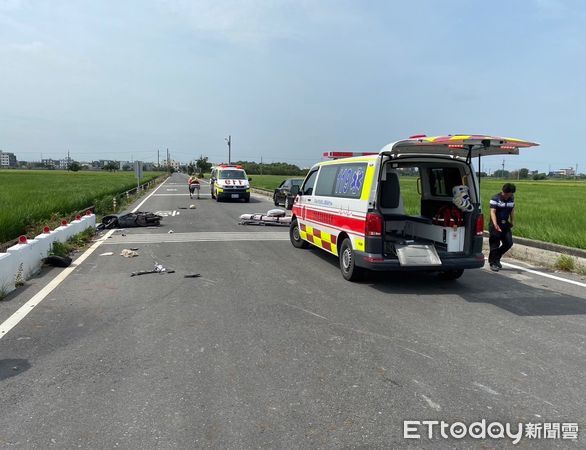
[(570, 172), (64, 163), (7, 160), (50, 163), (174, 164)]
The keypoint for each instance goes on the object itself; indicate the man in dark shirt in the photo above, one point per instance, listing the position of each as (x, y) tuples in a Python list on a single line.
[(502, 218)]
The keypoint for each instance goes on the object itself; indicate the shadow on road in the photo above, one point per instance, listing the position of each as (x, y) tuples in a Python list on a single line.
[(475, 286), (13, 367)]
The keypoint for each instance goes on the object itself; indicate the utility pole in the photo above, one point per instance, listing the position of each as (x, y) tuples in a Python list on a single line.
[(503, 172), (158, 160), (261, 164), (67, 159), (168, 162), (229, 142)]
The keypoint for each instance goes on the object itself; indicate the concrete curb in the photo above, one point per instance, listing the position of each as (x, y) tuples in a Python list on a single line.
[(262, 192), (537, 255), (23, 261), (548, 246)]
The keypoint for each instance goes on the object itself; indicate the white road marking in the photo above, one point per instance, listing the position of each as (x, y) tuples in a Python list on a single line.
[(171, 189), (167, 213), (198, 236), (543, 274), (170, 195), (22, 312), (149, 196)]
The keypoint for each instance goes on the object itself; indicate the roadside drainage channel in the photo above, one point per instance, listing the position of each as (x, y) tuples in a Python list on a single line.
[(23, 260)]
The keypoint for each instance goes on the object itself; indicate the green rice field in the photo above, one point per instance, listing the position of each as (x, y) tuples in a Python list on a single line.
[(28, 197), (548, 210)]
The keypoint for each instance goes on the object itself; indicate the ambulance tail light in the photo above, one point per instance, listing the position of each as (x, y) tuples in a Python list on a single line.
[(374, 224), (479, 225)]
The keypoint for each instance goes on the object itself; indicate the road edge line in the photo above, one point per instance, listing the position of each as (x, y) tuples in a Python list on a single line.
[(149, 196), (23, 311), (543, 274)]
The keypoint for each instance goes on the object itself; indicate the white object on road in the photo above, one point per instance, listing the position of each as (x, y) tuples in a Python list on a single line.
[(107, 254)]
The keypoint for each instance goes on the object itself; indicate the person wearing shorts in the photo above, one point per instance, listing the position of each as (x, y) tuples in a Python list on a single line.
[(194, 185)]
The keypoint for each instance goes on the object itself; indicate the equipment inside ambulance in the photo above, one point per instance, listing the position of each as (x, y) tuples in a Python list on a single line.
[(354, 206)]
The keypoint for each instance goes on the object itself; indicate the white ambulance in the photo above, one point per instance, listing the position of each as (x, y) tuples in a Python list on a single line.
[(229, 182), (353, 206)]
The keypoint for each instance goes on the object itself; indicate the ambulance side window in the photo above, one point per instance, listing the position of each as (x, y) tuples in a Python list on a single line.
[(341, 180), (327, 180), (307, 188)]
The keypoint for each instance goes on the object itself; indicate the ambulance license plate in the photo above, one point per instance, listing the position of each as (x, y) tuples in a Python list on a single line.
[(235, 195)]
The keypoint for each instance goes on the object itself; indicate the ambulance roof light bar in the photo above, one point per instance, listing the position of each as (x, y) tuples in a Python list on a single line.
[(338, 155)]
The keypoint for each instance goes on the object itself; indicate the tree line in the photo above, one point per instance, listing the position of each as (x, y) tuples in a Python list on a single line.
[(276, 168)]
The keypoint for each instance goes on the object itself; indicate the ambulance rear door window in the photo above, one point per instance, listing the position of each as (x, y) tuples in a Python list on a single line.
[(443, 179)]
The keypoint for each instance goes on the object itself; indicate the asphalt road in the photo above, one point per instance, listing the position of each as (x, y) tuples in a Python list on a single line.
[(271, 348)]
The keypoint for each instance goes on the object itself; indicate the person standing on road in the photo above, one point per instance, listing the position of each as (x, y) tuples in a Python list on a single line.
[(502, 218), (194, 185)]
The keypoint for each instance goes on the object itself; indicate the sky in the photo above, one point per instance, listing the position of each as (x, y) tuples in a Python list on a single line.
[(289, 79)]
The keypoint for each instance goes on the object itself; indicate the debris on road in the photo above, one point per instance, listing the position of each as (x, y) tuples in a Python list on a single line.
[(157, 269), (274, 217), (127, 253), (135, 219), (107, 254), (192, 275), (170, 232), (58, 261), (191, 206)]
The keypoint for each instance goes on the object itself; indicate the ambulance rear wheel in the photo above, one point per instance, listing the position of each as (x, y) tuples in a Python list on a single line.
[(348, 266), (295, 235)]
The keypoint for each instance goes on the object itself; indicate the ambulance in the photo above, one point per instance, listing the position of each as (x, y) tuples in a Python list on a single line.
[(229, 182), (354, 206)]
